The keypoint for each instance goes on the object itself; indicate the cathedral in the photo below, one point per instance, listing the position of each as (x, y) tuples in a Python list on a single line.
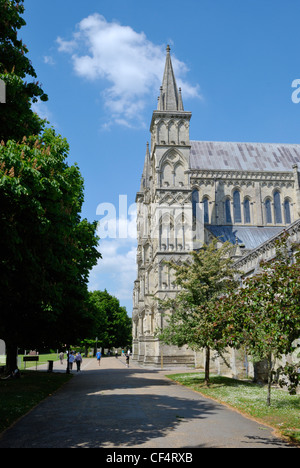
[(192, 192)]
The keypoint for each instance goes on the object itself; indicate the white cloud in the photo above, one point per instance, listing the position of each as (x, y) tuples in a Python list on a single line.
[(130, 65), (116, 270), (49, 60), (42, 110)]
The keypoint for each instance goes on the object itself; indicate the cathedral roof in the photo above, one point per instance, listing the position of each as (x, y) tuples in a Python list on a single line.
[(250, 236), (243, 156)]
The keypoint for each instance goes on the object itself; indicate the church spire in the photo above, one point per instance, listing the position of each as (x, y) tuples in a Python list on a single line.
[(170, 122), (146, 171), (170, 98)]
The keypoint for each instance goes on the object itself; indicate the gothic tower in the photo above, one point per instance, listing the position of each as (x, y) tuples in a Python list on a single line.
[(194, 191), (164, 213)]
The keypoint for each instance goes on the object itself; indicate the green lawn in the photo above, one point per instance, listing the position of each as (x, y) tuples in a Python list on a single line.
[(250, 399), (43, 359), (18, 396)]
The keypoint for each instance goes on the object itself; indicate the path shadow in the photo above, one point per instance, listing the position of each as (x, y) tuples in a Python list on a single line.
[(126, 408)]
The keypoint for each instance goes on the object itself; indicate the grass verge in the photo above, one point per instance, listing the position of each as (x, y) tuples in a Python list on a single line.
[(250, 399), (18, 396), (43, 359)]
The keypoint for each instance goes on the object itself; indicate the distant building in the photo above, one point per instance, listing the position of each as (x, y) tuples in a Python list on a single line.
[(193, 191)]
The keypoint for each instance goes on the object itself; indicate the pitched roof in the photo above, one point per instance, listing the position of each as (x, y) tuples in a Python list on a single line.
[(243, 156), (250, 236)]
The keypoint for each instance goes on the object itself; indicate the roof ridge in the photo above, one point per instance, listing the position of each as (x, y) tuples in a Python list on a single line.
[(244, 142), (244, 156)]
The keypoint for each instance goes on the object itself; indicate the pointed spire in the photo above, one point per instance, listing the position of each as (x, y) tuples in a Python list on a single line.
[(146, 170), (170, 98), (160, 104), (180, 103)]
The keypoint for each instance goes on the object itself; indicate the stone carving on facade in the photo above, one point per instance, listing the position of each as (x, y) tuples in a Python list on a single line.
[(192, 192)]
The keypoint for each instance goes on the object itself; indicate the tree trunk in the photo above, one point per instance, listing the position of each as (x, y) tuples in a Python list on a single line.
[(11, 357), (270, 369), (207, 359)]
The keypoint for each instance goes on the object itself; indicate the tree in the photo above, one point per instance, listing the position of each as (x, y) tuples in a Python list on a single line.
[(113, 326), (202, 280), (264, 315), (17, 118), (47, 251)]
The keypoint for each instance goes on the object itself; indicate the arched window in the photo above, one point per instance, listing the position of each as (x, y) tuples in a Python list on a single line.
[(179, 175), (237, 207), (166, 176), (277, 208), (166, 233), (247, 211), (287, 212), (180, 232), (162, 132), (268, 210), (205, 210), (195, 201), (227, 211)]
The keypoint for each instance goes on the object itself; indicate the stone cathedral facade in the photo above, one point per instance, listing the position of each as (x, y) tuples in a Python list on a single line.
[(193, 191)]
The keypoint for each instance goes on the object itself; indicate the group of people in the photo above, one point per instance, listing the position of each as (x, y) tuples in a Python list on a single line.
[(77, 358), (72, 357)]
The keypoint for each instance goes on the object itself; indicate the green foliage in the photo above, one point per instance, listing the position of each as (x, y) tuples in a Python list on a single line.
[(264, 315), (289, 377), (46, 250), (16, 118), (193, 320), (112, 324)]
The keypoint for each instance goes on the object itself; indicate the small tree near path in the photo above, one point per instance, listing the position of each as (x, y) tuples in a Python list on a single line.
[(264, 314), (193, 320)]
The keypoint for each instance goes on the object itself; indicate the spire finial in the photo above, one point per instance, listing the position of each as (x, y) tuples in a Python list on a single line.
[(169, 91), (180, 103)]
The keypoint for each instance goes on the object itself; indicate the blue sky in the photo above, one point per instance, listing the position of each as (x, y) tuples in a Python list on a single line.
[(101, 63)]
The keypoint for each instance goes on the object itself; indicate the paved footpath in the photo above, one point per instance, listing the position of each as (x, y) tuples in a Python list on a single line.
[(113, 406)]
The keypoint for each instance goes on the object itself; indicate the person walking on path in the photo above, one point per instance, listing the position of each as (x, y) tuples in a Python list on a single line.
[(127, 360), (71, 360), (61, 357), (98, 356), (78, 360)]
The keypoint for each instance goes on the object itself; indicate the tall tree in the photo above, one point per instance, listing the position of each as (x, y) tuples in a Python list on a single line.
[(46, 249), (193, 320), (113, 326), (17, 118)]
